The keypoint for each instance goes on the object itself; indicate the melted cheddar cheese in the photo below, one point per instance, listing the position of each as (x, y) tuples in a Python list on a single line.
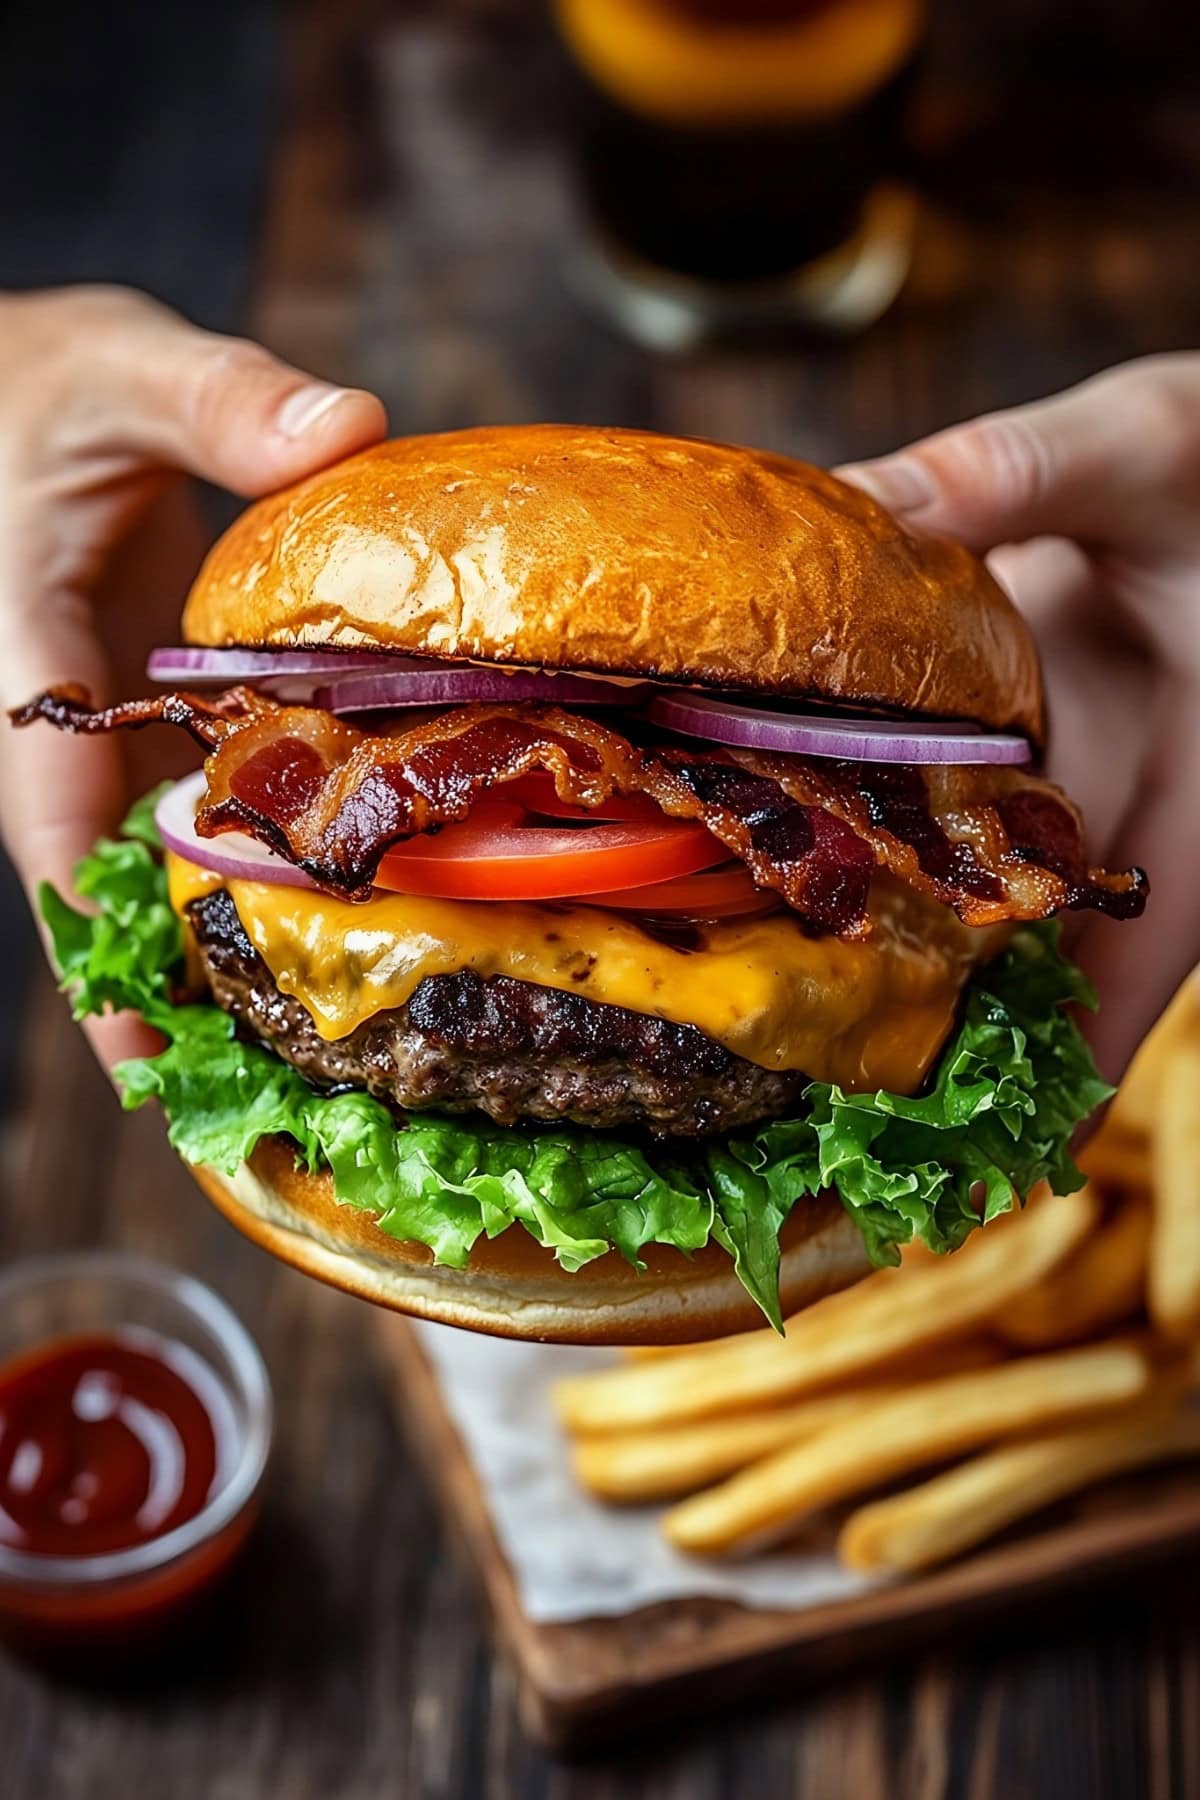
[(867, 1015)]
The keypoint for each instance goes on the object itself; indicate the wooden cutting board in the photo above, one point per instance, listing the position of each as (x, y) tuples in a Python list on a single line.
[(594, 1679)]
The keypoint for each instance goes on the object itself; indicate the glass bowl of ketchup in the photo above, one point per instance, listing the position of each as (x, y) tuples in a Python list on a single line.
[(135, 1427)]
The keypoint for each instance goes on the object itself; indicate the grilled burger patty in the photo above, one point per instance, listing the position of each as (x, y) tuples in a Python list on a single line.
[(505, 1047)]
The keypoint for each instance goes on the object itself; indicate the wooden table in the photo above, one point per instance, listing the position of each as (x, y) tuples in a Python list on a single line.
[(416, 236)]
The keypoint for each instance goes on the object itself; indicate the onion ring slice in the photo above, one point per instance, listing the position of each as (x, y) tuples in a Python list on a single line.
[(820, 734)]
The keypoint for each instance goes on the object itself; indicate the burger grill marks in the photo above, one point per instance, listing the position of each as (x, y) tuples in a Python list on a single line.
[(994, 844)]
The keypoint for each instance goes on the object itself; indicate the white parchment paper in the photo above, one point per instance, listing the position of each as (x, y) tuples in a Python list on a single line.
[(572, 1557)]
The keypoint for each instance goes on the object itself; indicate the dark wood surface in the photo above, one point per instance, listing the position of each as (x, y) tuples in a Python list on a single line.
[(417, 231)]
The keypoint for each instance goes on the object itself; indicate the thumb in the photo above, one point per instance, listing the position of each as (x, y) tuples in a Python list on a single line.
[(127, 388), (1093, 464), (1135, 974), (218, 407)]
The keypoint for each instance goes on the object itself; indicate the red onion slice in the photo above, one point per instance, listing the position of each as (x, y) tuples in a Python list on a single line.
[(812, 734), (368, 681), (453, 684), (233, 854), (203, 667)]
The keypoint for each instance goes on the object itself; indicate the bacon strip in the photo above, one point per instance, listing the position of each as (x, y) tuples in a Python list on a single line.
[(208, 721), (818, 862), (333, 801), (994, 844)]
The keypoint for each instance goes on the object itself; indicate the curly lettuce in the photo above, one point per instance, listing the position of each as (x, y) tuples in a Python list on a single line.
[(1010, 1087)]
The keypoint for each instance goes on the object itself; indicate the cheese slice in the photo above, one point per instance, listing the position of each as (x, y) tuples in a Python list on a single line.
[(866, 1015)]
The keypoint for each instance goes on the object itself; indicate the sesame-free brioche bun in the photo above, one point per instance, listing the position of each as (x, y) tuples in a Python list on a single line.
[(627, 553), (512, 1287)]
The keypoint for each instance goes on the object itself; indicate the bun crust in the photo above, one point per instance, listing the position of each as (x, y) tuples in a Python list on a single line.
[(624, 552), (511, 1286)]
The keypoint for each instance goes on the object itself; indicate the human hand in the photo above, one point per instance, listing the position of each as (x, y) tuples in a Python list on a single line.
[(106, 400), (1089, 504)]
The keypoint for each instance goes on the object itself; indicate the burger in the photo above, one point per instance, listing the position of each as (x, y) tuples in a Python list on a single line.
[(617, 901)]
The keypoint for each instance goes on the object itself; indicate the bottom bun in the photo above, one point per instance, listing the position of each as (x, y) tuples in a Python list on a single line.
[(514, 1288)]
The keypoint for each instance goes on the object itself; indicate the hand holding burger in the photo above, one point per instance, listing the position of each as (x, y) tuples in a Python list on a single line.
[(619, 890), (1090, 502), (616, 893), (107, 400)]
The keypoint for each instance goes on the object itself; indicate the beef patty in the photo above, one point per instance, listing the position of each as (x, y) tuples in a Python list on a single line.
[(505, 1047)]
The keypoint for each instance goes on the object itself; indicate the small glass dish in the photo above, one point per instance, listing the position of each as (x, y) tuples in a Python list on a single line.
[(125, 1598)]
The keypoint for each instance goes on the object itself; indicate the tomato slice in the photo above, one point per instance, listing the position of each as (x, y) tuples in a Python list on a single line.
[(497, 809), (537, 794), (724, 893), (478, 860)]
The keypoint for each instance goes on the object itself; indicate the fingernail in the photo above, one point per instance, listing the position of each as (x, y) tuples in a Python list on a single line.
[(898, 482), (301, 410)]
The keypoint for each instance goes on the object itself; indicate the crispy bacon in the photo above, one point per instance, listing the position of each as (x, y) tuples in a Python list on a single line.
[(209, 721), (333, 801), (994, 844), (820, 865)]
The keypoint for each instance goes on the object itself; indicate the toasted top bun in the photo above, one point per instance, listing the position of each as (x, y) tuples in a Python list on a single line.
[(512, 1287), (622, 552)]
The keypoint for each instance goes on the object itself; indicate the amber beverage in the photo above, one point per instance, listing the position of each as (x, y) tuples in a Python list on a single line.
[(738, 158)]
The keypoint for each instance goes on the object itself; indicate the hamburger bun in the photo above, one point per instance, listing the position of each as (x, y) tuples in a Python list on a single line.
[(626, 553), (619, 553), (514, 1288)]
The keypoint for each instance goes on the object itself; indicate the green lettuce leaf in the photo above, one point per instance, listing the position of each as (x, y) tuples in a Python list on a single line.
[(997, 1117)]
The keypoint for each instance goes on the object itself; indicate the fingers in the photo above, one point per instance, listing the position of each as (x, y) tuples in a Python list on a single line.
[(1113, 466), (1092, 675), (231, 412), (57, 793), (118, 1037), (1136, 971), (1000, 479), (102, 391), (143, 384), (1097, 463)]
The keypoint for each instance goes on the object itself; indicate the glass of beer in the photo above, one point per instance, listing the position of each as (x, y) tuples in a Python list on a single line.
[(739, 160)]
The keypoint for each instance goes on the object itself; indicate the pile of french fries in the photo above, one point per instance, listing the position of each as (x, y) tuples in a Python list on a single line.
[(1059, 1346)]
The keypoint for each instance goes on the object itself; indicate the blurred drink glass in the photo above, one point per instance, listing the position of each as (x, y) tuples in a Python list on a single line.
[(738, 160)]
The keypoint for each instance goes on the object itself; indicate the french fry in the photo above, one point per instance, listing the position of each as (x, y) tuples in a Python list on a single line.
[(892, 1314), (937, 1359), (908, 1430), (1135, 1110), (638, 1466), (635, 1466), (636, 1353), (1174, 1278), (1117, 1158), (1120, 1152), (915, 1252), (1094, 1290), (955, 1511)]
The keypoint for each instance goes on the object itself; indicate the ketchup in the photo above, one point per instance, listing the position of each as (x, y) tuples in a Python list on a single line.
[(106, 1442)]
